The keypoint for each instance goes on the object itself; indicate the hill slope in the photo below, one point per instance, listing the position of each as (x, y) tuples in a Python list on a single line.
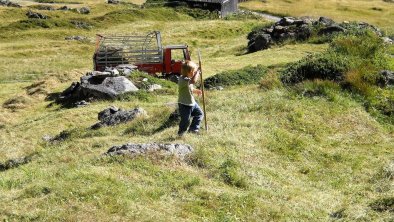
[(269, 154)]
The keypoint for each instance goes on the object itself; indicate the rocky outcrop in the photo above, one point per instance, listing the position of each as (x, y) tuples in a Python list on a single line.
[(114, 116), (300, 29), (8, 3), (36, 15), (130, 149), (99, 85)]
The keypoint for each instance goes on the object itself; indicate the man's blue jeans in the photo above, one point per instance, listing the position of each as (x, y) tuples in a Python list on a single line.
[(186, 112)]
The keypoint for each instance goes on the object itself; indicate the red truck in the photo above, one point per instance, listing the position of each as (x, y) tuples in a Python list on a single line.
[(144, 52)]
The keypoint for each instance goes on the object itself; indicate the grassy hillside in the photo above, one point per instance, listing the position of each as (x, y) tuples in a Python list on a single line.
[(376, 12), (271, 152)]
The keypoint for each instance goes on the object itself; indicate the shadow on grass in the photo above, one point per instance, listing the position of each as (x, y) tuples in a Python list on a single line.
[(148, 127)]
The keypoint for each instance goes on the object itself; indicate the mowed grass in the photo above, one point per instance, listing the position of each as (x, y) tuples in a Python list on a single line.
[(375, 12), (299, 159), (268, 155)]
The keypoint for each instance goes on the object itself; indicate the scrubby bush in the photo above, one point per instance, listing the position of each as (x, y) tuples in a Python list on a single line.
[(246, 75), (352, 61), (326, 66)]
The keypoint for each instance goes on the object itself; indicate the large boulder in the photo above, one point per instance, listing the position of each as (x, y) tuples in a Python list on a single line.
[(100, 87), (114, 116), (259, 42), (130, 149)]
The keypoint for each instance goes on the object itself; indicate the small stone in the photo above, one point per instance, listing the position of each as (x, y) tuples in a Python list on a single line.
[(130, 149), (64, 8), (113, 2), (326, 21), (154, 87), (81, 103), (84, 10), (387, 40), (47, 138), (76, 38)]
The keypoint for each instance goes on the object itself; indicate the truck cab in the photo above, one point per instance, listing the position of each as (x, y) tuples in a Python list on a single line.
[(174, 56)]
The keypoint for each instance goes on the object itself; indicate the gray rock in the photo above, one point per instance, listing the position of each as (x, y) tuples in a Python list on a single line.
[(307, 20), (81, 25), (113, 2), (262, 41), (387, 40), (47, 138), (8, 3), (64, 8), (36, 15), (154, 87), (130, 149), (114, 116), (326, 21), (126, 69), (81, 103), (331, 29), (84, 10), (113, 71), (76, 38), (107, 113), (303, 32), (286, 21), (107, 88)]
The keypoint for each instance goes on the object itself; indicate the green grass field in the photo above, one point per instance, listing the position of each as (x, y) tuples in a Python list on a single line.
[(269, 155)]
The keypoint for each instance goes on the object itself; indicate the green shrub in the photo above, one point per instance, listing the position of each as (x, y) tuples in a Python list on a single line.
[(353, 61), (325, 66), (246, 75)]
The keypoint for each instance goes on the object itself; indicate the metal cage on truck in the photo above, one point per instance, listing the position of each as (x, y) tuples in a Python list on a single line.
[(143, 51)]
